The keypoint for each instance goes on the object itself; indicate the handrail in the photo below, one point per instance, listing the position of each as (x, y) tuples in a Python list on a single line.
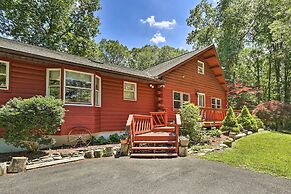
[(211, 114), (159, 118)]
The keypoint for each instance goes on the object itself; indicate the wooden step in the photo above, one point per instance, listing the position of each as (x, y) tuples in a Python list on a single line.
[(155, 142), (156, 136), (154, 155), (153, 148)]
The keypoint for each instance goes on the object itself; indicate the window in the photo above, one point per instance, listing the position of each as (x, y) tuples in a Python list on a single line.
[(200, 67), (4, 75), (179, 98), (53, 83), (98, 91), (78, 88), (129, 91), (201, 99), (215, 103)]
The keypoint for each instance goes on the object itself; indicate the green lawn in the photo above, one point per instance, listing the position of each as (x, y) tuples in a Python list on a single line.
[(268, 152)]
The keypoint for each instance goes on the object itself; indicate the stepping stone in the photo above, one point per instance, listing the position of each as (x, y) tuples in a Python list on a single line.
[(18, 164)]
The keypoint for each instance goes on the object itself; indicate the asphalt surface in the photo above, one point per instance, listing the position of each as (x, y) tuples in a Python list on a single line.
[(124, 175)]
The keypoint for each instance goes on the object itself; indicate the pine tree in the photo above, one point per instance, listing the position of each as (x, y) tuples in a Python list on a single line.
[(230, 122), (247, 120)]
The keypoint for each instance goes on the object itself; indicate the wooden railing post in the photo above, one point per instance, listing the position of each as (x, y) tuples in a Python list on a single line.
[(178, 123)]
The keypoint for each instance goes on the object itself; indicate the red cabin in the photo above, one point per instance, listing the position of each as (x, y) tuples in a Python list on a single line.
[(100, 97)]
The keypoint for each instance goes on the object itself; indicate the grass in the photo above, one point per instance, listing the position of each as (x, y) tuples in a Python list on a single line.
[(268, 152)]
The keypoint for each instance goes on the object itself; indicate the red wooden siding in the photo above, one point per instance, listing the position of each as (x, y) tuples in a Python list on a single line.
[(29, 79), (186, 79)]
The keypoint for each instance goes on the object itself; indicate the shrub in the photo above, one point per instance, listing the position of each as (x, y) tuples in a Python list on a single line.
[(114, 138), (28, 122), (214, 132), (274, 114), (260, 123), (190, 118), (101, 140), (230, 122), (246, 120)]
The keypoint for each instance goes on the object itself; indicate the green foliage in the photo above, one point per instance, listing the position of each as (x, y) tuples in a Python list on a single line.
[(214, 132), (260, 123), (28, 122), (101, 140), (113, 52), (114, 138), (230, 122), (253, 44), (190, 118), (199, 147), (63, 25), (246, 120)]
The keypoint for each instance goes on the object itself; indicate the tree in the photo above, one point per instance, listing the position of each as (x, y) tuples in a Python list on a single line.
[(253, 42), (230, 122), (246, 120), (62, 25), (113, 52), (29, 122)]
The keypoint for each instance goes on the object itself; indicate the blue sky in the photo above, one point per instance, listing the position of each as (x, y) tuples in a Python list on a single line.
[(130, 22)]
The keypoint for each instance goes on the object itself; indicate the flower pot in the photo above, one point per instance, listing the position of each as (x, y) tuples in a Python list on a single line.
[(184, 142), (124, 141)]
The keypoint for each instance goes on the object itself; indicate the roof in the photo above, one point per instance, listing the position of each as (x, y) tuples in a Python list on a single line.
[(153, 73), (37, 51), (167, 65)]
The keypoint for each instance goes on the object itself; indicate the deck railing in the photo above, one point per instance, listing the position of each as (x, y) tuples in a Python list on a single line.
[(210, 114), (159, 118)]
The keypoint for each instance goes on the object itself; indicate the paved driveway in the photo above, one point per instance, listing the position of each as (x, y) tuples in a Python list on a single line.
[(124, 175)]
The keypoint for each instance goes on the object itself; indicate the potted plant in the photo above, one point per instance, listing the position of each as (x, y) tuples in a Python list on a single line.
[(124, 140)]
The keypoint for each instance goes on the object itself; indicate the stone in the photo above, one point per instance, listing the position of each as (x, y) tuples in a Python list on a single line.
[(18, 164), (47, 159), (184, 142), (228, 143), (206, 150), (261, 130), (250, 132), (183, 151), (56, 157), (201, 154), (222, 145), (89, 154), (124, 149), (3, 169), (232, 134), (240, 135), (229, 139), (108, 152), (98, 153)]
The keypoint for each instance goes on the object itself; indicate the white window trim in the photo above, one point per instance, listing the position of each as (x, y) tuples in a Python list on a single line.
[(135, 92), (99, 93), (201, 94), (47, 80), (181, 98), (216, 104), (203, 67), (92, 88), (7, 74)]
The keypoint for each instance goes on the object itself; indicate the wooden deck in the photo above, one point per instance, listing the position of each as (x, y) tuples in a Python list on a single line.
[(151, 136)]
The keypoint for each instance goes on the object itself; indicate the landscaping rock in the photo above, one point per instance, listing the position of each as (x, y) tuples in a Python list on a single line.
[(240, 135), (261, 130), (18, 164), (57, 157), (222, 145), (232, 134), (201, 154), (3, 169), (206, 150), (108, 152), (228, 143), (66, 155), (184, 142), (124, 149), (183, 151), (47, 159), (250, 132), (89, 154), (98, 153)]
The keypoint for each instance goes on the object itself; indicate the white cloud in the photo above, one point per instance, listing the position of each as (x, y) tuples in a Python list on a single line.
[(158, 38), (162, 25)]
